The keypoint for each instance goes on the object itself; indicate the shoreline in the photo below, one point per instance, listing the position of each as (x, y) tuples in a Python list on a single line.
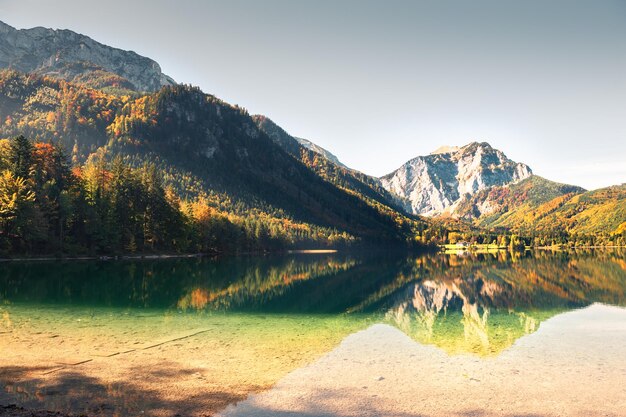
[(152, 256), (107, 257), (491, 249)]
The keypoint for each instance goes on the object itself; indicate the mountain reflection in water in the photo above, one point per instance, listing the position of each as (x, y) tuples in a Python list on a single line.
[(476, 304), (484, 307), (105, 338)]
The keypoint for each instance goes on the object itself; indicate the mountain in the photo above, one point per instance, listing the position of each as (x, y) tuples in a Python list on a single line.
[(476, 187), (436, 183), (323, 164), (104, 104), (290, 143), (316, 148), (77, 58), (575, 211), (536, 206), (445, 149), (500, 205), (201, 146)]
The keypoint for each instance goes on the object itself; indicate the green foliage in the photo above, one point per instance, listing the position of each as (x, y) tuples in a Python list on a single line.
[(206, 149), (20, 156), (112, 208), (352, 182), (15, 194), (45, 109), (546, 213), (180, 170)]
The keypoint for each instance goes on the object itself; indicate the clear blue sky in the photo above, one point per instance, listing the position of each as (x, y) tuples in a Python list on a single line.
[(380, 82)]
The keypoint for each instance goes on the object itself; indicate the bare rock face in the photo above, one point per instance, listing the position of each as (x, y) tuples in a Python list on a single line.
[(66, 54), (324, 152), (436, 183)]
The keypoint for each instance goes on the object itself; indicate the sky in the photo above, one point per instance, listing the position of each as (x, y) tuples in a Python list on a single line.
[(378, 83)]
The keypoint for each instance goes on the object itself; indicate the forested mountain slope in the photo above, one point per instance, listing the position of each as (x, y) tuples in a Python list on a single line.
[(355, 182), (491, 207), (201, 146), (577, 213), (557, 212)]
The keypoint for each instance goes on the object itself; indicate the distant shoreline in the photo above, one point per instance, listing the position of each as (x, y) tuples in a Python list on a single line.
[(448, 248), (443, 249), (161, 256), (106, 257)]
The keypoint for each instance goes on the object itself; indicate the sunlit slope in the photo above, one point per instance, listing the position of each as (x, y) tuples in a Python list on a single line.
[(493, 206), (602, 210), (201, 145), (598, 211), (540, 205)]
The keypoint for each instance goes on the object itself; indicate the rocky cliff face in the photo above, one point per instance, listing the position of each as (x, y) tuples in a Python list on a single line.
[(69, 55), (436, 183), (324, 152)]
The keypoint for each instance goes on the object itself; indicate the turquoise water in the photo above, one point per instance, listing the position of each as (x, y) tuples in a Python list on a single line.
[(100, 337)]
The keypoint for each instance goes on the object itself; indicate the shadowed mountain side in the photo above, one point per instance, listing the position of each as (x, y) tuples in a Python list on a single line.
[(368, 188), (201, 146)]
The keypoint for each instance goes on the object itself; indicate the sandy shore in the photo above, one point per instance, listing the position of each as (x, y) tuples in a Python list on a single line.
[(573, 366), (111, 363)]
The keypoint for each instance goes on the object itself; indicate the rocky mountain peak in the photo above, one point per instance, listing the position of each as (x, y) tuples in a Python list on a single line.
[(56, 53), (445, 149), (4, 28), (434, 184)]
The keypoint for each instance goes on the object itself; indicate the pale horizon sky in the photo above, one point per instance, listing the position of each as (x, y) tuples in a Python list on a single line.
[(378, 83)]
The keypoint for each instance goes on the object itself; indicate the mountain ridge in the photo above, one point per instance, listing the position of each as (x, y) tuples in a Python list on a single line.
[(248, 166), (60, 53), (322, 151), (202, 146), (369, 188), (433, 184), (575, 211)]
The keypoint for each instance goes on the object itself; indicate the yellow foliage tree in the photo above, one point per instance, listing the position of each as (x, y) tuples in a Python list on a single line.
[(15, 193)]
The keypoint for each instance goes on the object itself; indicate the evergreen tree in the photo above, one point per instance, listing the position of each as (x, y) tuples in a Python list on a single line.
[(20, 156)]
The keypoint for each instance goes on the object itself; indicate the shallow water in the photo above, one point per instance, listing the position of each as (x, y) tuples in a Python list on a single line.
[(195, 336)]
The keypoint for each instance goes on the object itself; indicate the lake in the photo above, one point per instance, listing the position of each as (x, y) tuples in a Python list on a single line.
[(535, 334)]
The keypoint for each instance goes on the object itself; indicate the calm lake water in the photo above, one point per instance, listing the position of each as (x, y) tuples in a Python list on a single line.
[(247, 336)]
